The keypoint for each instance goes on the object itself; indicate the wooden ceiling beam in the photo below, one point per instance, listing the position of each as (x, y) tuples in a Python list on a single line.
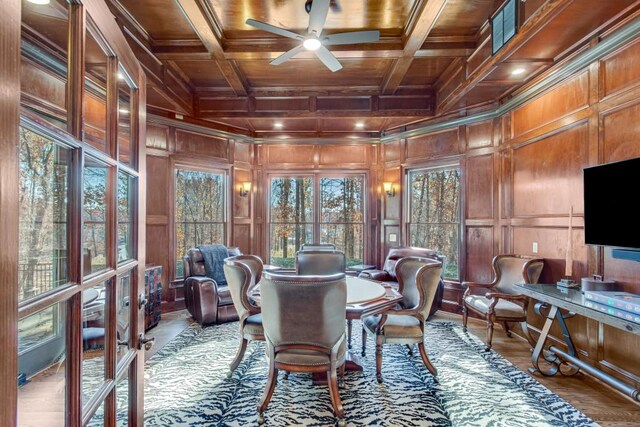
[(534, 24), (204, 28), (422, 21)]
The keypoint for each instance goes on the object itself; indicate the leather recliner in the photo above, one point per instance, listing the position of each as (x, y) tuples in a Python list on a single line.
[(206, 300), (388, 272)]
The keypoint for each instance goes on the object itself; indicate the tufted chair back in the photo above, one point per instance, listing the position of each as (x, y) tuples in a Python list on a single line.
[(288, 300), (242, 273), (510, 269), (418, 280), (322, 262), (395, 254)]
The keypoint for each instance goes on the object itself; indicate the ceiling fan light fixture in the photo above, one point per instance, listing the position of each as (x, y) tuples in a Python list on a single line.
[(312, 44)]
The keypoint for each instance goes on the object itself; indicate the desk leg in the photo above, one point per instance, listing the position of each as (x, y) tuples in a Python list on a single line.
[(548, 354)]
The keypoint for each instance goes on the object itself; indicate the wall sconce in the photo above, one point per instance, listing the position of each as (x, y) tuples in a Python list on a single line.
[(388, 188), (245, 188)]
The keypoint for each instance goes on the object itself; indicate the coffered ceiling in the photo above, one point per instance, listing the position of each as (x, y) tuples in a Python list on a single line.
[(433, 58)]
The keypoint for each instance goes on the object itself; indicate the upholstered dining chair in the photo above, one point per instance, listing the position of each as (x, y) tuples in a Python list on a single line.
[(418, 280), (497, 301), (300, 342), (320, 262), (243, 272)]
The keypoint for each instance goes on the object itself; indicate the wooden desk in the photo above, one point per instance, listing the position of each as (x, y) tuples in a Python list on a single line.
[(552, 299)]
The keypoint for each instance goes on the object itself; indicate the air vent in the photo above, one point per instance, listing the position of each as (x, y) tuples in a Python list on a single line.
[(503, 25)]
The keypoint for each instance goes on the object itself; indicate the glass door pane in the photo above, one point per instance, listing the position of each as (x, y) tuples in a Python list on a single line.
[(95, 86), (44, 176), (41, 368), (94, 326), (123, 310), (125, 153), (94, 256), (126, 188)]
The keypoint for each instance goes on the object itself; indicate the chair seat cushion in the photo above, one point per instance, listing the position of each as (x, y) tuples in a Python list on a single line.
[(253, 325), (309, 357), (396, 326), (224, 295), (504, 308)]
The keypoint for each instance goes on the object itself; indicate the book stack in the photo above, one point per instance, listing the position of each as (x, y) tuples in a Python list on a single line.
[(624, 305)]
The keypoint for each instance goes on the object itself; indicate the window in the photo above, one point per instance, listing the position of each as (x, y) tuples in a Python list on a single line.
[(434, 213), (503, 25), (342, 215), (297, 216), (200, 211)]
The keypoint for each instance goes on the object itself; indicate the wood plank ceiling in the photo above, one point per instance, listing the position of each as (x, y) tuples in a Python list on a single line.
[(433, 59)]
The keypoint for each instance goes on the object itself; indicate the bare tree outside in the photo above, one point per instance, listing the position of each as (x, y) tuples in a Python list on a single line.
[(199, 212), (342, 215), (341, 212), (434, 213), (291, 218)]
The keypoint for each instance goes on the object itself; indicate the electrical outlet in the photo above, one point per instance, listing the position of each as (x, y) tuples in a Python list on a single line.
[(535, 247)]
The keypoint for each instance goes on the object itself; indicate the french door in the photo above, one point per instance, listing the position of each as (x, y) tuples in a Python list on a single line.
[(78, 254)]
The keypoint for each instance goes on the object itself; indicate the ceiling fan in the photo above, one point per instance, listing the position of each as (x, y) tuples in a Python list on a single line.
[(314, 40)]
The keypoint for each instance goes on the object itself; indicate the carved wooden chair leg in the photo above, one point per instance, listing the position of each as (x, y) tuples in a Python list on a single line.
[(505, 324), (268, 392), (487, 346), (239, 355), (364, 341), (465, 317), (336, 403), (425, 359), (379, 358), (410, 347), (349, 333)]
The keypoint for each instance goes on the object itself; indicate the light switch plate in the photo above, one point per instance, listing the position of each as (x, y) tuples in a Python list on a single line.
[(393, 237), (535, 247)]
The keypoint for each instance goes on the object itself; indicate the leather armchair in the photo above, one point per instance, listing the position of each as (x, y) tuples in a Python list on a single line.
[(300, 342), (418, 280), (497, 301), (206, 301), (388, 272), (243, 272), (322, 262)]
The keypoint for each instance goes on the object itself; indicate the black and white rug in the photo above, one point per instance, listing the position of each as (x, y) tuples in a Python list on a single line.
[(186, 385)]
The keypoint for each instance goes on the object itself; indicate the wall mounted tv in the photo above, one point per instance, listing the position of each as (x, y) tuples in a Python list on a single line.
[(611, 215)]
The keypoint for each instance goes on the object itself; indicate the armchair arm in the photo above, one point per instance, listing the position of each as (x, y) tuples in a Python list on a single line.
[(200, 281), (495, 297), (468, 286), (378, 275)]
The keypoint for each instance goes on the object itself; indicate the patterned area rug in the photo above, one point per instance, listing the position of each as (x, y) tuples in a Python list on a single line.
[(186, 385)]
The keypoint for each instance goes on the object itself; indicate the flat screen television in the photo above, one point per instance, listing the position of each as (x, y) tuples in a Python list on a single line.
[(611, 215)]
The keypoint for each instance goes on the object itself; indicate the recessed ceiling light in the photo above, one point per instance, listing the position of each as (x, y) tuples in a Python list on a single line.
[(39, 1), (311, 44), (517, 71), (120, 76), (359, 125), (278, 125), (123, 111)]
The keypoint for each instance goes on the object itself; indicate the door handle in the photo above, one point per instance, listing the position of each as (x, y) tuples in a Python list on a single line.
[(142, 301), (145, 343)]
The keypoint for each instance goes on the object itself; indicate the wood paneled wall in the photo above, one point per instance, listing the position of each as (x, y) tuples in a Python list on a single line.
[(174, 145), (522, 173)]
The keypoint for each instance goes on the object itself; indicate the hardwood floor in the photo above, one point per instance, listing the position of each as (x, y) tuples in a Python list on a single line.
[(603, 404)]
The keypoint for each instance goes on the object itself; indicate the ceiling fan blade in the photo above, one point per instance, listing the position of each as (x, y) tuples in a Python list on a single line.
[(352, 38), (318, 16), (328, 59), (273, 29), (288, 55)]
